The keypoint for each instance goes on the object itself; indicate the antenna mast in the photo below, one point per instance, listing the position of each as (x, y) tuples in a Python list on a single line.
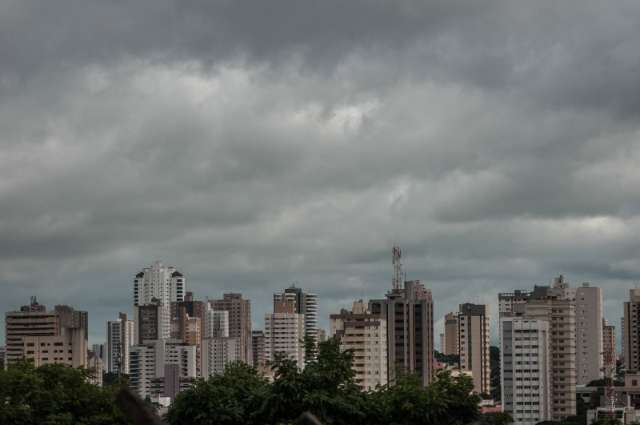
[(397, 268)]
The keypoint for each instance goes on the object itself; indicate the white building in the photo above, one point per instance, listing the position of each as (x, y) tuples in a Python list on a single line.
[(120, 339), (304, 303), (284, 332), (217, 353), (148, 363), (161, 285), (365, 334), (526, 364)]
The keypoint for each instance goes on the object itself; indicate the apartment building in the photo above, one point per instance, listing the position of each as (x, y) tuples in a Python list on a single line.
[(365, 334), (610, 356), (474, 341), (526, 369), (449, 344), (120, 339), (217, 353), (239, 321), (258, 349), (284, 331), (149, 361), (305, 303), (631, 331)]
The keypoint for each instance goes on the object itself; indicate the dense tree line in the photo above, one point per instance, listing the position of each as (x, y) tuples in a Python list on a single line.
[(326, 389), (55, 395)]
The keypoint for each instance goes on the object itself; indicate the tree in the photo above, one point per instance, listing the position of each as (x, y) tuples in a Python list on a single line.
[(54, 395), (499, 418), (236, 397)]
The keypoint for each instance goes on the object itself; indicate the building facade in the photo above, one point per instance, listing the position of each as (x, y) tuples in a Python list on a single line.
[(305, 303), (284, 331), (631, 331), (526, 369), (365, 334), (610, 356), (217, 353), (258, 349), (409, 314), (474, 336), (120, 339), (239, 321), (449, 346)]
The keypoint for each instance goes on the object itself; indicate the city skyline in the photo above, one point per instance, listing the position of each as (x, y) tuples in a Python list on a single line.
[(495, 141), (97, 329)]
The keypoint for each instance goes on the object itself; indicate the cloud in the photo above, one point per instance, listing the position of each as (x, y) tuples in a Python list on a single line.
[(257, 145)]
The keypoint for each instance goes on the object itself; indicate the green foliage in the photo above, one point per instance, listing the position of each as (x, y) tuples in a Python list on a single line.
[(237, 397), (325, 388), (54, 395), (500, 418), (450, 359)]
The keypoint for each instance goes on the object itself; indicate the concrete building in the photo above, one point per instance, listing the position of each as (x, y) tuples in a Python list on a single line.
[(409, 314), (610, 356), (589, 339), (474, 336), (2, 356), (546, 304), (217, 353), (148, 363), (631, 329), (216, 323), (95, 367), (153, 321), (120, 339), (185, 311), (449, 345), (365, 334), (526, 369), (158, 286), (239, 321), (33, 324), (284, 331), (68, 348), (304, 303), (258, 349)]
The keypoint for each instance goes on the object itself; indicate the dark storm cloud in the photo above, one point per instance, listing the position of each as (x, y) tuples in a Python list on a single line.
[(257, 144)]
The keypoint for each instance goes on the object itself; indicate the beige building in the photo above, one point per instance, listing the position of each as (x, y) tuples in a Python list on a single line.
[(45, 337), (610, 356), (284, 333), (239, 321), (631, 334), (589, 316), (545, 304), (449, 345), (365, 334), (474, 341)]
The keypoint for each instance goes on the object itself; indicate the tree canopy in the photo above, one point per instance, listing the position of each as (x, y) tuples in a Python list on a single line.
[(325, 388), (54, 395)]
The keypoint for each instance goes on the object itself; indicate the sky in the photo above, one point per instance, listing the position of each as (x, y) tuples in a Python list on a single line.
[(256, 144)]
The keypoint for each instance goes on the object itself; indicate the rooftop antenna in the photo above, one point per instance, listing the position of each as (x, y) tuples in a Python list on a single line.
[(397, 268)]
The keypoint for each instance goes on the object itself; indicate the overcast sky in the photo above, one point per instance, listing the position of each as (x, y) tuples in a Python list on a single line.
[(256, 143)]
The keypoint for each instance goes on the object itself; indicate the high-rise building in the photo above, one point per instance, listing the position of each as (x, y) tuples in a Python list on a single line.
[(2, 356), (152, 322), (304, 303), (216, 323), (258, 349), (157, 286), (182, 311), (526, 369), (408, 310), (239, 321), (365, 334), (95, 368), (217, 353), (284, 331), (474, 342), (449, 345), (120, 339), (557, 306), (631, 329), (545, 304), (148, 361), (609, 346), (588, 305), (50, 330)]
